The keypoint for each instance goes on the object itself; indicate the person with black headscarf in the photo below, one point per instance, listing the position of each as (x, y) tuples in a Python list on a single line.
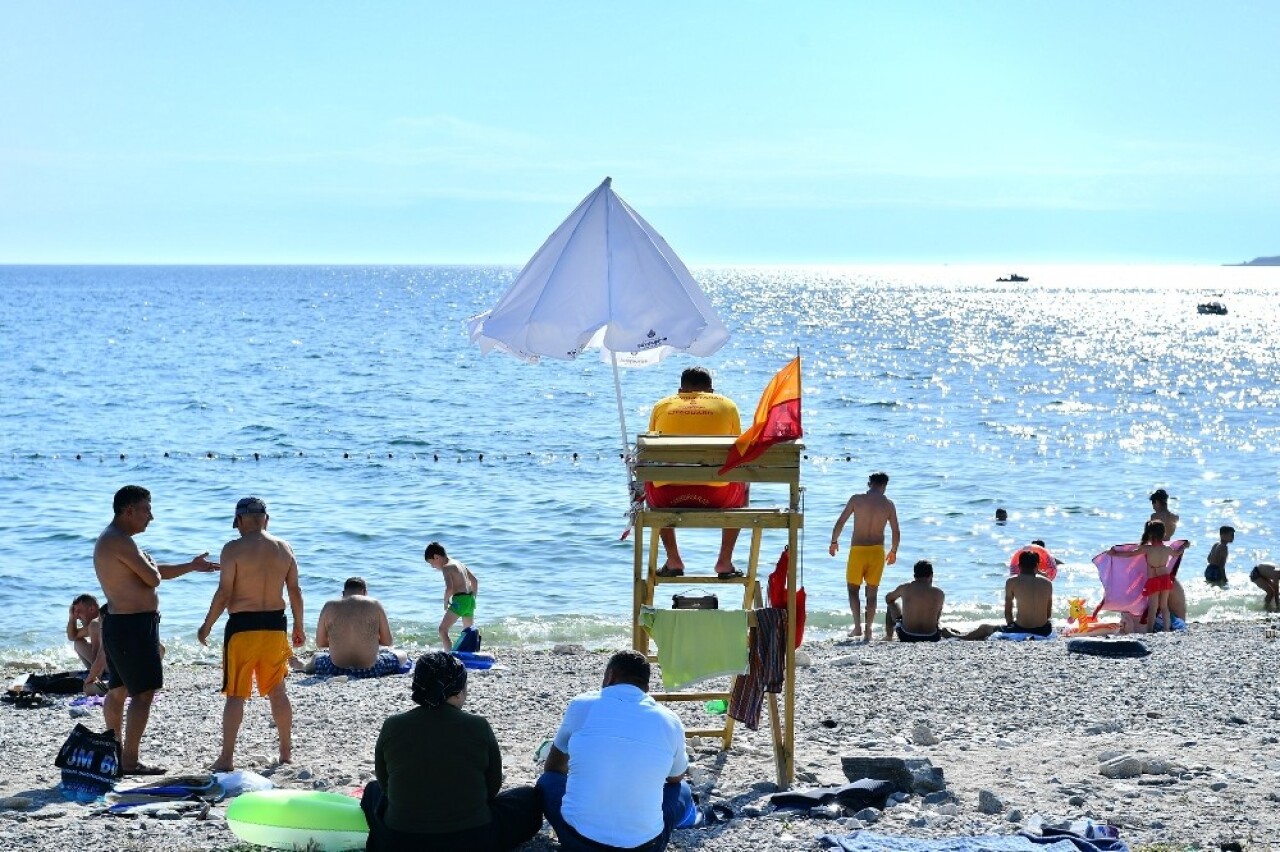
[(439, 772)]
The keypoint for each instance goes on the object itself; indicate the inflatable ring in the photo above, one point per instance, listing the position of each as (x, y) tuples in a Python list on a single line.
[(1047, 565), (298, 819), (1108, 647)]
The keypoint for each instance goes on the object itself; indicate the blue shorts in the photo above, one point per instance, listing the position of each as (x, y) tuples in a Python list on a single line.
[(387, 663)]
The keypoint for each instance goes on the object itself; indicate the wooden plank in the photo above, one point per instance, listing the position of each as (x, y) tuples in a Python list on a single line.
[(691, 473), (742, 519)]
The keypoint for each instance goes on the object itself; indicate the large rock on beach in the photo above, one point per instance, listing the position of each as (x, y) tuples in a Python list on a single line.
[(914, 775)]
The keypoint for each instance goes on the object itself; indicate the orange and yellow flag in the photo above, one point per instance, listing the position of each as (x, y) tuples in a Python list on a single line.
[(777, 418)]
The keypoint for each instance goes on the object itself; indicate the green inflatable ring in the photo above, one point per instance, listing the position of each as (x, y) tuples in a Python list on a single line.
[(288, 819)]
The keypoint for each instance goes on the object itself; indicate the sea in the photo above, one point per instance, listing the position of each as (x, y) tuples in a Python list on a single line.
[(350, 399)]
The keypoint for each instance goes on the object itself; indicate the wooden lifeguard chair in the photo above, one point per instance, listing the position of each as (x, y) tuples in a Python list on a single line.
[(698, 458)]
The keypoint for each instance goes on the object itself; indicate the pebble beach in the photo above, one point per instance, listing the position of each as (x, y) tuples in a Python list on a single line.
[(1173, 748)]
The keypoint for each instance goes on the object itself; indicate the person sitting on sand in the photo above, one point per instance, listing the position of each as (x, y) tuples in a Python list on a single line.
[(696, 410), (1160, 512), (1159, 579), (916, 618), (257, 569), (355, 630), (1267, 577), (612, 778), (438, 774), (871, 512), (1028, 601), (460, 588), (1215, 572), (84, 631)]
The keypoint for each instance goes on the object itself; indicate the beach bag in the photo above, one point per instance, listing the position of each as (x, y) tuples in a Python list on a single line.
[(695, 602), (90, 762), (778, 594), (468, 641)]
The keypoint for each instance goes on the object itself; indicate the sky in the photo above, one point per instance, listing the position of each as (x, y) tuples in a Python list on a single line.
[(746, 133)]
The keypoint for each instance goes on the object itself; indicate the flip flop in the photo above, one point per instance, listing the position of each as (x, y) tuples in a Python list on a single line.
[(143, 769), (729, 575), (664, 571)]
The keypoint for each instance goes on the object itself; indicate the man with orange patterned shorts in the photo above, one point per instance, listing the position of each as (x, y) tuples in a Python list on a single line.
[(696, 410), (257, 568)]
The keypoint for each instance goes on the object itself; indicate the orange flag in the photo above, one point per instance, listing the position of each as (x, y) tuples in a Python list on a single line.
[(777, 418)]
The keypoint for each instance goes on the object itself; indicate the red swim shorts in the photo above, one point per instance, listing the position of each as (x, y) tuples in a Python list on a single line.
[(1159, 583), (692, 495)]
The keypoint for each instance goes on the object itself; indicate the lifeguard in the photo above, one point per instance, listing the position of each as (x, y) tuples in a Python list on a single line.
[(696, 410)]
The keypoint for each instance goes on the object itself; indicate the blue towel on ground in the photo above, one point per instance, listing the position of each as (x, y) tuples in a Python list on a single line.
[(868, 841)]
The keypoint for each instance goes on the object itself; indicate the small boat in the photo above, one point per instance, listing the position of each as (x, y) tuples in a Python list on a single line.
[(1211, 308), (1012, 278)]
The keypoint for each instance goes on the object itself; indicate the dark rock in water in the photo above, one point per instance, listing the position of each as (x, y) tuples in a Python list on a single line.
[(917, 775)]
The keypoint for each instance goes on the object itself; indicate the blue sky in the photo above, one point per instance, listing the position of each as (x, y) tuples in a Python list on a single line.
[(747, 132)]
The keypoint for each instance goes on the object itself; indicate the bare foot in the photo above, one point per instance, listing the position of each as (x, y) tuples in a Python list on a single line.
[(222, 767), (866, 637)]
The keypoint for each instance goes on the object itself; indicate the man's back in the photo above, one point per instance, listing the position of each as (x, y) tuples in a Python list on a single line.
[(622, 747), (696, 413), (871, 514), (1032, 597), (353, 627), (921, 607), (260, 564)]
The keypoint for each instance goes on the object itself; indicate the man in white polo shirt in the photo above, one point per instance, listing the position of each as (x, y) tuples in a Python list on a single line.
[(613, 777)]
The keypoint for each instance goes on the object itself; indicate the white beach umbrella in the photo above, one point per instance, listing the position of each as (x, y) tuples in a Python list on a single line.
[(605, 279)]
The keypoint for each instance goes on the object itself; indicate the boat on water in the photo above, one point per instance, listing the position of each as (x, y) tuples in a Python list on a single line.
[(1013, 276), (1211, 308)]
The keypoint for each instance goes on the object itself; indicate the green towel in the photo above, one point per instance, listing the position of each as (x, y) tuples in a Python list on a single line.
[(695, 644)]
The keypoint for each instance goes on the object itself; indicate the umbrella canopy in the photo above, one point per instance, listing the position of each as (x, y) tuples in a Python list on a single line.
[(605, 278)]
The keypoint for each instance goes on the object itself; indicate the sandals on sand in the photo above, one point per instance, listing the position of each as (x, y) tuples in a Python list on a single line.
[(664, 571)]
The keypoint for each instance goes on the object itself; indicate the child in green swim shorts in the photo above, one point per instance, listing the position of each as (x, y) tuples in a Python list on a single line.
[(460, 587)]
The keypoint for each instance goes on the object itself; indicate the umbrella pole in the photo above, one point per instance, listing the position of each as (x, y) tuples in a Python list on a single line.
[(622, 417)]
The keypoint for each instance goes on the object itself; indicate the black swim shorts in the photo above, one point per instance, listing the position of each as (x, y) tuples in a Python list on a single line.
[(132, 645), (904, 636), (1045, 629)]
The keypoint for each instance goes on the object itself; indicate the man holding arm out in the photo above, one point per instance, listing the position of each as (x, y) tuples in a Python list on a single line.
[(131, 620)]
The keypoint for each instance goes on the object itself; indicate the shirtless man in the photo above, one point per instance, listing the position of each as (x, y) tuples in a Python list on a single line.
[(1266, 577), (131, 620), (355, 630), (867, 558), (84, 631), (460, 587), (1028, 600), (257, 569), (916, 619), (1160, 512)]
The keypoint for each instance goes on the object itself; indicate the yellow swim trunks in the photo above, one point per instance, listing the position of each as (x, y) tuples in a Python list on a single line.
[(260, 654), (866, 563)]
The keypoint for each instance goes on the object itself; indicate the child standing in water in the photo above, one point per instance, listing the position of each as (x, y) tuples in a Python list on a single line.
[(460, 587), (1159, 580)]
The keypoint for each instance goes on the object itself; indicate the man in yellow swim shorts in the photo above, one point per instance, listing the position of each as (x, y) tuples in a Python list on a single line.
[(871, 512), (257, 569)]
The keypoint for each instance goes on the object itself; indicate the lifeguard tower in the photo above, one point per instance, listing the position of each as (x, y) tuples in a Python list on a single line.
[(690, 458)]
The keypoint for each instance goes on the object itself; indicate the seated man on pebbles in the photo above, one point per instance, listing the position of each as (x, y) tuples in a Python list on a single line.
[(914, 609), (355, 630), (1031, 595), (613, 777)]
